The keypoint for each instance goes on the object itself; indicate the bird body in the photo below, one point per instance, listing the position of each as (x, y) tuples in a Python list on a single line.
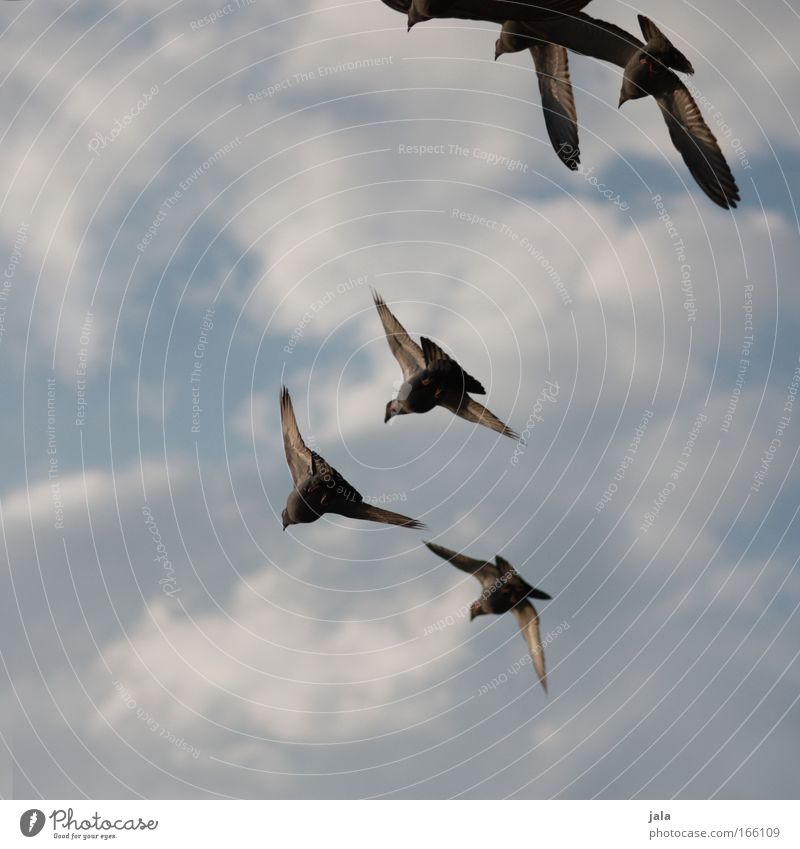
[(431, 378), (504, 590)]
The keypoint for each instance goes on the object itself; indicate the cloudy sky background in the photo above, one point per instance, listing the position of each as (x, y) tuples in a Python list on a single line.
[(322, 662)]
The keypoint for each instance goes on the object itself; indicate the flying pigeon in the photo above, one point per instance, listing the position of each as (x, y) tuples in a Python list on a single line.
[(432, 379), (504, 589), (318, 487), (495, 11), (648, 70)]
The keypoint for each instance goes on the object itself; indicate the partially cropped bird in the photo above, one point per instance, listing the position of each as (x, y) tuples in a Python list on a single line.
[(432, 379), (504, 590), (318, 487), (495, 11), (648, 71)]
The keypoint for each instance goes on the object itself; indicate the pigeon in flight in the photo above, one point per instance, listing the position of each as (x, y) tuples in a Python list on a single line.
[(495, 11), (504, 589), (318, 487), (432, 379), (648, 70)]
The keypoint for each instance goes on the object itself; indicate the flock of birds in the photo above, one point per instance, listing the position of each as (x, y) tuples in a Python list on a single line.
[(551, 28), (431, 378)]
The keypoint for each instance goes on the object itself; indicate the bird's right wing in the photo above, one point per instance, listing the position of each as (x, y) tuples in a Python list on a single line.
[(528, 619), (698, 146), (448, 371), (474, 412), (558, 101), (404, 348), (298, 456)]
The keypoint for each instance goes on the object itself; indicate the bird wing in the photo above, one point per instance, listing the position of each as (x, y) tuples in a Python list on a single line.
[(586, 35), (398, 5), (698, 146), (371, 513), (558, 101), (485, 572), (298, 456), (518, 10), (472, 411), (404, 348), (528, 619), (334, 481), (449, 372)]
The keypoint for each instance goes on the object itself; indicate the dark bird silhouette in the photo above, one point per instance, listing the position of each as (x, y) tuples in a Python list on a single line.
[(432, 379), (495, 11), (504, 590), (318, 487), (648, 71)]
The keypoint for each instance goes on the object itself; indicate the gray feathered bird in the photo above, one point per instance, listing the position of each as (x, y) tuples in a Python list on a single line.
[(318, 487), (432, 379), (504, 590), (648, 71)]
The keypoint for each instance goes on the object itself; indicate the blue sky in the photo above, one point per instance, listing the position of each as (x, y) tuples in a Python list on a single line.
[(173, 181)]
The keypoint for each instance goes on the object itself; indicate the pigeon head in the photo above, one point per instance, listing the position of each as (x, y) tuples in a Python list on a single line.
[(392, 409), (286, 519), (642, 76), (475, 609)]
